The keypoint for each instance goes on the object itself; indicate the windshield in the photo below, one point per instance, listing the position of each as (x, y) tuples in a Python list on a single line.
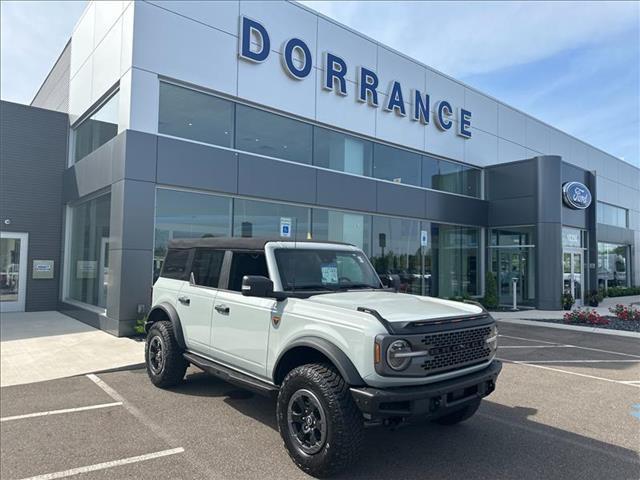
[(316, 269)]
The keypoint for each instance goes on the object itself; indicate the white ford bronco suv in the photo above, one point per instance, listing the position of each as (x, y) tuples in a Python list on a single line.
[(313, 324)]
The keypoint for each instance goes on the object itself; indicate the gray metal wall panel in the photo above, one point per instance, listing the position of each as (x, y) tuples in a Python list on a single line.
[(141, 151), (188, 164), (511, 180), (132, 215), (613, 234), (549, 266), (441, 207), (54, 92), (276, 180), (345, 191), (512, 211), (33, 152), (549, 188), (400, 200)]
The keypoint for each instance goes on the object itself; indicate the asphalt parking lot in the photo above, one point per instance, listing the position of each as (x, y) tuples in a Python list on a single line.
[(567, 406)]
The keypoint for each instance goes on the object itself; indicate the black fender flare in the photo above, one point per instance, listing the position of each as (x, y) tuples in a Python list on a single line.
[(339, 359), (170, 312)]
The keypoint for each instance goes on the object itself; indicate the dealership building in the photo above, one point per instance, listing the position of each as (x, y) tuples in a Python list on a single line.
[(165, 120)]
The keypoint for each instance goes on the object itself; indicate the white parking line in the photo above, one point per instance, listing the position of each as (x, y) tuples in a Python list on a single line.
[(526, 364), (501, 347), (104, 465), (581, 361), (573, 346), (58, 412)]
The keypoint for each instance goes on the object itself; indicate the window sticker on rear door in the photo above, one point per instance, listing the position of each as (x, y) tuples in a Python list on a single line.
[(329, 273)]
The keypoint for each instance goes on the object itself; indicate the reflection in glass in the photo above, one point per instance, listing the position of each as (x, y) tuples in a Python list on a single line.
[(458, 264), (273, 135), (345, 227), (252, 218), (9, 269), (341, 152), (396, 250), (612, 265), (396, 165), (98, 129), (89, 251), (195, 115), (188, 215)]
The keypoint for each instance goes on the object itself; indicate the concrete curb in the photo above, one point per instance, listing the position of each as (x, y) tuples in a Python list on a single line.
[(540, 323)]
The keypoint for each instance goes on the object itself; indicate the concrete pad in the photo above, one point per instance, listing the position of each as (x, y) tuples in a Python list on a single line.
[(38, 346)]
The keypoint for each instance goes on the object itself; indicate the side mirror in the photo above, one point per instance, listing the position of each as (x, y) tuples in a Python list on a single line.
[(391, 281), (259, 286)]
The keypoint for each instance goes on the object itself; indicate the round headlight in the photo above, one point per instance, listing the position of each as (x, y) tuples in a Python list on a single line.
[(395, 357)]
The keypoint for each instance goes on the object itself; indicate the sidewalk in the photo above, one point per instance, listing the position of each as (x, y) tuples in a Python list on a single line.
[(602, 309), (37, 346)]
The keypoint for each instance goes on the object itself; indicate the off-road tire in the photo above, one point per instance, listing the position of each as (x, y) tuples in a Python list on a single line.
[(344, 421), (173, 366), (458, 416)]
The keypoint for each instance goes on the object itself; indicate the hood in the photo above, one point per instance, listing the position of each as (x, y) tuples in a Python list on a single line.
[(398, 307)]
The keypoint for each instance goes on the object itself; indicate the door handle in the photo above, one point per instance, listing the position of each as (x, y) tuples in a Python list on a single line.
[(222, 309), (184, 300)]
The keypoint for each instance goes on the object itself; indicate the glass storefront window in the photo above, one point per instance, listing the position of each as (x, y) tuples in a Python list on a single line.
[(396, 165), (512, 256), (458, 262), (450, 177), (88, 267), (273, 135), (252, 218), (345, 227), (195, 115), (612, 265), (611, 215), (341, 152), (98, 129), (188, 215), (396, 250)]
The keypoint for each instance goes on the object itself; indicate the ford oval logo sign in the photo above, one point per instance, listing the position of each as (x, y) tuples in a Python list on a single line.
[(576, 195)]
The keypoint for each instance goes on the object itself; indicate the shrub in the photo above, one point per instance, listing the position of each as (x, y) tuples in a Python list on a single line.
[(622, 291), (585, 316), (490, 299), (139, 326), (567, 301), (625, 313)]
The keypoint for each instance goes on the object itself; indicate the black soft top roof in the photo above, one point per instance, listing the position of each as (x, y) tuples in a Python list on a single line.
[(236, 243)]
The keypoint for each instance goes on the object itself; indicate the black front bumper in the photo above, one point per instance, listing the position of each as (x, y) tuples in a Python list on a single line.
[(427, 401)]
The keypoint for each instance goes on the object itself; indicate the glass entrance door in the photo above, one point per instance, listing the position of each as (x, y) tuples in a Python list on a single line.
[(515, 263), (572, 277), (13, 271)]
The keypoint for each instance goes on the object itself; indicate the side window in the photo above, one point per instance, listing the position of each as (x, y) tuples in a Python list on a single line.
[(246, 263), (176, 265), (206, 267)]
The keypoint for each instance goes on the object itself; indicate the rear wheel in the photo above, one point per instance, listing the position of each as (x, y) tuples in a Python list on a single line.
[(320, 424), (461, 415), (165, 364)]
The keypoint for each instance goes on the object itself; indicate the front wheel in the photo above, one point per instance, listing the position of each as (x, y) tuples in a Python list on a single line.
[(320, 424), (461, 415), (165, 364)]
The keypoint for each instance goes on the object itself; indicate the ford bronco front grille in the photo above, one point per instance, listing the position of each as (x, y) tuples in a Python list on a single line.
[(456, 349)]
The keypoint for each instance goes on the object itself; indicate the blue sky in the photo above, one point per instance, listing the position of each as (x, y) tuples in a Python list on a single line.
[(574, 65)]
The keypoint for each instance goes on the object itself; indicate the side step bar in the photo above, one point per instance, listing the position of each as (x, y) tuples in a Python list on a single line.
[(231, 376)]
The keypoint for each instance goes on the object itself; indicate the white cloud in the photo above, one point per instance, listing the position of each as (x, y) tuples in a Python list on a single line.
[(466, 38)]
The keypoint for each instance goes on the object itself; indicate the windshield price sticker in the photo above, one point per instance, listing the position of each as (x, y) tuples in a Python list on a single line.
[(329, 273)]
